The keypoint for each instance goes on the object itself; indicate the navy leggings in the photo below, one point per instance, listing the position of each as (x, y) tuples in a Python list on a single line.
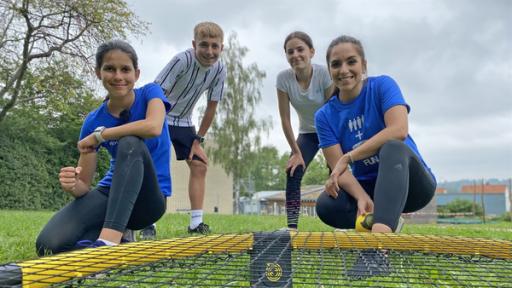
[(308, 146), (133, 201), (402, 185)]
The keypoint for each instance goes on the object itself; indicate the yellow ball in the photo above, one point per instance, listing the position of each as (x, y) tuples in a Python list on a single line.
[(364, 222)]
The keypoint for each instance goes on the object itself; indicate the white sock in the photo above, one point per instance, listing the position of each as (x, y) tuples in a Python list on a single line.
[(196, 217), (107, 242)]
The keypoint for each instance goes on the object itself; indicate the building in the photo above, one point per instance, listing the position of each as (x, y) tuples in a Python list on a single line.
[(219, 189), (495, 199), (273, 203), (257, 204), (440, 190)]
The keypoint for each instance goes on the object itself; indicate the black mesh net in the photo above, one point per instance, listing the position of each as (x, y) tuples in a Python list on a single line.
[(279, 259)]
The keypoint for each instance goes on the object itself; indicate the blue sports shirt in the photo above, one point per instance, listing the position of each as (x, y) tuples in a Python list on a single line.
[(351, 124), (159, 147)]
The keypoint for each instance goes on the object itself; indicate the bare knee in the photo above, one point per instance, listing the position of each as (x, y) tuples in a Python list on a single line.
[(198, 168)]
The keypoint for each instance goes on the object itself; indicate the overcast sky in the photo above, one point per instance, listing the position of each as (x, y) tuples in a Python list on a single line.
[(451, 58)]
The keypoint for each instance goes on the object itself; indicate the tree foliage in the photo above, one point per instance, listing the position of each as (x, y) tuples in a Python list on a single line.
[(40, 137), (38, 33), (317, 172), (235, 129), (269, 170), (461, 206)]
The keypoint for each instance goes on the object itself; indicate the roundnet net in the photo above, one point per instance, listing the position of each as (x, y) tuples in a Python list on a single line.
[(277, 259)]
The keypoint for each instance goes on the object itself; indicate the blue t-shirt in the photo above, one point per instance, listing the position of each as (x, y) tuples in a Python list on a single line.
[(351, 124), (159, 146)]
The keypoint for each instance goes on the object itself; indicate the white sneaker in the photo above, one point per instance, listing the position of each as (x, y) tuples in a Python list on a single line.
[(342, 230), (400, 225), (288, 229)]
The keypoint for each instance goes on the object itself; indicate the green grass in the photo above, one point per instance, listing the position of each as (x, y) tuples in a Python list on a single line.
[(19, 229)]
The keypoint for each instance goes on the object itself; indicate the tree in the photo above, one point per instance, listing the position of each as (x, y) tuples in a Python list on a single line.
[(267, 169), (235, 129), (38, 33), (317, 172)]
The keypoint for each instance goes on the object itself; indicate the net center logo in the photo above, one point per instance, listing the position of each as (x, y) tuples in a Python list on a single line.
[(273, 272)]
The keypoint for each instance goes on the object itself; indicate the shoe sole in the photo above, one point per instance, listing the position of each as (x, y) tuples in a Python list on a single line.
[(400, 225)]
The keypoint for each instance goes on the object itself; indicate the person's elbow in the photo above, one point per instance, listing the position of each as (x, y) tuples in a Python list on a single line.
[(401, 132), (154, 129)]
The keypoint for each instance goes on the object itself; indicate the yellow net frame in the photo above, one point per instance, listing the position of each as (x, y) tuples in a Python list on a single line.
[(77, 264)]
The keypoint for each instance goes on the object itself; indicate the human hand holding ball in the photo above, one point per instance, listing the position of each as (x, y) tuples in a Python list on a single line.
[(364, 222)]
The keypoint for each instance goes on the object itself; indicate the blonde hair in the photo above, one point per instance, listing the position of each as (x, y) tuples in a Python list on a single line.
[(208, 29)]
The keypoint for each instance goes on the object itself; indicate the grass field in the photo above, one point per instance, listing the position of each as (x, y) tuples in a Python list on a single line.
[(19, 229)]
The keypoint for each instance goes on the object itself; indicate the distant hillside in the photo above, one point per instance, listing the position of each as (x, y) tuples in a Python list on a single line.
[(455, 186)]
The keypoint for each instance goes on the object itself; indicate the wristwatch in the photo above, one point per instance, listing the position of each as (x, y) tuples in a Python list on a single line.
[(97, 133), (199, 138)]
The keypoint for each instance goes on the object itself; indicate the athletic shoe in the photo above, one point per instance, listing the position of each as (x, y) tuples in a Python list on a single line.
[(89, 244), (400, 225), (128, 236), (201, 229), (342, 230), (288, 229), (148, 233), (370, 263)]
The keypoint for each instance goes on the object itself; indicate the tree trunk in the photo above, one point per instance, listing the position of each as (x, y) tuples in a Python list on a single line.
[(236, 196)]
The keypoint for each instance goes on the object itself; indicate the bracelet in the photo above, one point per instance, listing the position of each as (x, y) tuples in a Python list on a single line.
[(350, 157)]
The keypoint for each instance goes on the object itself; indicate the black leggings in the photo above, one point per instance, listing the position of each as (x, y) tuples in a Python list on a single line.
[(308, 146), (402, 185), (134, 201)]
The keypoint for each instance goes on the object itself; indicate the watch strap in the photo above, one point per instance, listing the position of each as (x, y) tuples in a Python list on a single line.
[(199, 138), (97, 134)]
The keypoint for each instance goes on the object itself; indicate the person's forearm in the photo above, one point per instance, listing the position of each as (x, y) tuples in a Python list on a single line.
[(372, 145), (397, 128), (142, 128), (290, 137), (208, 117), (349, 184), (80, 189)]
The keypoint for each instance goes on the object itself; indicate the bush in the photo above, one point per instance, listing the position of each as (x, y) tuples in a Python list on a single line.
[(507, 217), (461, 206), (31, 156), (27, 167)]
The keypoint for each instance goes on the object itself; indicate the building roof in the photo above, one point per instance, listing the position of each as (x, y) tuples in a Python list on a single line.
[(265, 194), (441, 190), (487, 188), (308, 194)]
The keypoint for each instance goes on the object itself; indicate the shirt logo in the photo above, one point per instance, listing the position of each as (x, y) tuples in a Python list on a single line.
[(356, 125)]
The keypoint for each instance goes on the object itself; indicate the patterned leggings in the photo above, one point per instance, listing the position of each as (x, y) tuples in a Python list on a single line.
[(308, 145)]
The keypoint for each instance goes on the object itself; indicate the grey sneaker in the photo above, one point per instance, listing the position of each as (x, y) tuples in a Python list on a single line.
[(400, 225), (201, 229), (148, 233), (370, 263), (128, 236)]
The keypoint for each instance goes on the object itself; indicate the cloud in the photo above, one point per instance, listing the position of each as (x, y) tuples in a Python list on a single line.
[(451, 58)]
